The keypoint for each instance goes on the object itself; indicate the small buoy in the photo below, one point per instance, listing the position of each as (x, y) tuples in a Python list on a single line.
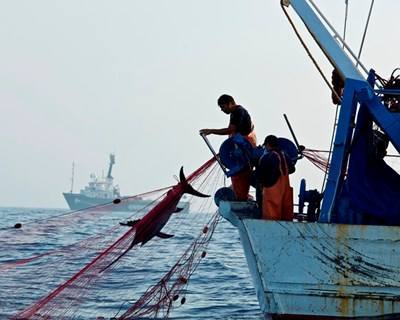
[(182, 279), (176, 297), (116, 201), (17, 225), (205, 229), (203, 254), (183, 300)]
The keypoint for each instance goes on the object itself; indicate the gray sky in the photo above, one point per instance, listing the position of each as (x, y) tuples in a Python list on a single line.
[(81, 79)]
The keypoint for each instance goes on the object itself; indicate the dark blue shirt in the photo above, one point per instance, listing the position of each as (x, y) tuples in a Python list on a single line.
[(240, 118)]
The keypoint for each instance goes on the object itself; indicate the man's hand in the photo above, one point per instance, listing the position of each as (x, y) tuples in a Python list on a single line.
[(205, 132)]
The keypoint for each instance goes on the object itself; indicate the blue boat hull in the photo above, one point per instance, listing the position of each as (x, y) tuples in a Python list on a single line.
[(317, 270)]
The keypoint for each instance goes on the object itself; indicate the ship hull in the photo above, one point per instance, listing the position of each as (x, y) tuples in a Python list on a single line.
[(77, 201), (320, 271)]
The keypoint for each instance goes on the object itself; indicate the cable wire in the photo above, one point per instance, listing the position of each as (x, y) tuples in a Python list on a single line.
[(346, 12), (310, 55), (365, 32)]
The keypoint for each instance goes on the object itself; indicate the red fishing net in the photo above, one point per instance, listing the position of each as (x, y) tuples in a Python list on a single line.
[(103, 249)]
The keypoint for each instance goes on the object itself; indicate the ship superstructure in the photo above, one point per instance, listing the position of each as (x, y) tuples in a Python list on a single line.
[(99, 191), (103, 187)]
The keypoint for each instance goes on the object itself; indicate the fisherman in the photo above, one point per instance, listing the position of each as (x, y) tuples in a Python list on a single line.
[(273, 171), (239, 122)]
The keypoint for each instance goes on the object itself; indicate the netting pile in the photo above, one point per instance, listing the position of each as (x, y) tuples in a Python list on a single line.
[(158, 300), (317, 159), (69, 272)]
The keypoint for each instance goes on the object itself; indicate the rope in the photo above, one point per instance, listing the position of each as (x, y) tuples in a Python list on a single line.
[(100, 208), (316, 159), (365, 32), (81, 243), (324, 168), (337, 36), (310, 55)]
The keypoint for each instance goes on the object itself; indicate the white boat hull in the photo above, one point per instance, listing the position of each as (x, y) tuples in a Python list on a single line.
[(320, 271)]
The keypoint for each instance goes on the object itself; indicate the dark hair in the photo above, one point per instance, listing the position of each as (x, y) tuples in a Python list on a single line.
[(272, 141), (225, 99)]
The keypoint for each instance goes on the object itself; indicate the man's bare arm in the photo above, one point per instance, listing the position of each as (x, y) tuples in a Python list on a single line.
[(223, 131)]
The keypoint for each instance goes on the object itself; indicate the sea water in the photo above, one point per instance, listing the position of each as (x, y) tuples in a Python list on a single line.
[(220, 288)]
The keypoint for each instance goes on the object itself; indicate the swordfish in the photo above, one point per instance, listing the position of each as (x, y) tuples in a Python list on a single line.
[(152, 223)]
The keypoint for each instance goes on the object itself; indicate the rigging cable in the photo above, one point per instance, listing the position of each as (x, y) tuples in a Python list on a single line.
[(337, 36), (346, 12), (326, 169), (365, 32), (309, 54), (330, 148), (323, 76)]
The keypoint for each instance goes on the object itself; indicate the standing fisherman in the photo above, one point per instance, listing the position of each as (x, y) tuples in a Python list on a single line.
[(273, 172), (239, 122)]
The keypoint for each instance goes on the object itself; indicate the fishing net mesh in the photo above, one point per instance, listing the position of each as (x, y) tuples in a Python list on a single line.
[(53, 283)]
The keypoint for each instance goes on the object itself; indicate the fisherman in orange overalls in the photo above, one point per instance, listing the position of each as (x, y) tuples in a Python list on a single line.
[(273, 171), (239, 122)]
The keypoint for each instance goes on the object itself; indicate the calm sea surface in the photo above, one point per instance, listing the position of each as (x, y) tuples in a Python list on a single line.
[(220, 288)]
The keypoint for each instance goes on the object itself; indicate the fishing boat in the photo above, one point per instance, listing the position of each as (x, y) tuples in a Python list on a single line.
[(340, 259), (102, 191)]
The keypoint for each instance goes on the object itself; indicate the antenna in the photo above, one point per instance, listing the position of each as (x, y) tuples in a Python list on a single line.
[(72, 177)]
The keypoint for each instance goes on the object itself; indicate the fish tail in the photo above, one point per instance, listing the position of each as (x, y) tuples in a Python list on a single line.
[(188, 188)]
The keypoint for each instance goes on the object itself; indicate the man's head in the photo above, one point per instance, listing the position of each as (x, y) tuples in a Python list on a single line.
[(226, 103), (271, 142)]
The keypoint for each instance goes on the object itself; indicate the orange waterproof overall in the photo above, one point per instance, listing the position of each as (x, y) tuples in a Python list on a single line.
[(277, 201), (241, 181)]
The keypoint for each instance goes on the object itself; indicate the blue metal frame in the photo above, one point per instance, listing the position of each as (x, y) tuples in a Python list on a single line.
[(357, 91), (340, 148)]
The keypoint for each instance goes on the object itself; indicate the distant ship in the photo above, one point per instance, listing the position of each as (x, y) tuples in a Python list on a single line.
[(100, 191)]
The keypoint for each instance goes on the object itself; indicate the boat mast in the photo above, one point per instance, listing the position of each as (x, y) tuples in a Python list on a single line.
[(112, 162), (72, 177)]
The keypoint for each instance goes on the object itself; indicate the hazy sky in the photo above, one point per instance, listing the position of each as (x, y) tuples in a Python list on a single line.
[(82, 79)]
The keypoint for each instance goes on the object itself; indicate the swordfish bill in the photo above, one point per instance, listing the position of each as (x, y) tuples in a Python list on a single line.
[(152, 223)]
